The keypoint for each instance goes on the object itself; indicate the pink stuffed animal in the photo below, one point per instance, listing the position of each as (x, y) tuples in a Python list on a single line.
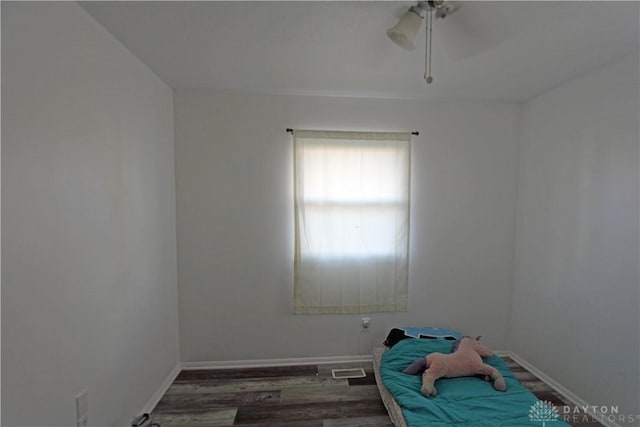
[(466, 361)]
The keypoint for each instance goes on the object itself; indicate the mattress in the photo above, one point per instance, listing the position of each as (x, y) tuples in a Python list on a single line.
[(395, 413), (463, 402)]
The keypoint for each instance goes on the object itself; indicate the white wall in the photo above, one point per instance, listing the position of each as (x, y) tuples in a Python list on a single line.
[(575, 300), (89, 296), (235, 221)]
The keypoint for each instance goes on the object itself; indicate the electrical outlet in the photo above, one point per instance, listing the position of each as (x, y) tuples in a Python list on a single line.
[(82, 409), (365, 322)]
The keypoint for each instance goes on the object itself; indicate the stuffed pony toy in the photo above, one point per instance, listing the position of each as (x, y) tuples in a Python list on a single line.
[(464, 361)]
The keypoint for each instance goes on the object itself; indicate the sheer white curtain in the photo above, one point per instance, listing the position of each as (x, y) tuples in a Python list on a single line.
[(352, 221)]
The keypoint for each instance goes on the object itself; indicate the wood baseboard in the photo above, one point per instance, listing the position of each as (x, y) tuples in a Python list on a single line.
[(153, 401), (264, 363)]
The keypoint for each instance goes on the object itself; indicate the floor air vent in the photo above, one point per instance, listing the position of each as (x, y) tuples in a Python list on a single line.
[(348, 373)]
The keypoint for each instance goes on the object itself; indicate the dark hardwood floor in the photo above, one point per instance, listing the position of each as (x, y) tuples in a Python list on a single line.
[(293, 396)]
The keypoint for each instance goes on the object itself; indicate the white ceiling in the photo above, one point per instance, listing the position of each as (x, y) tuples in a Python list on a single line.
[(487, 50)]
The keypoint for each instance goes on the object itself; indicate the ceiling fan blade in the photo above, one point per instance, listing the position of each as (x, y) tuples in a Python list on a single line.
[(473, 28)]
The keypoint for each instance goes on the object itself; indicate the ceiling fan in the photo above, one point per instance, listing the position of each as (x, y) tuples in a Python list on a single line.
[(404, 32)]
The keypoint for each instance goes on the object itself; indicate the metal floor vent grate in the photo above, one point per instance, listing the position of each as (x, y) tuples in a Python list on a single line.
[(348, 373)]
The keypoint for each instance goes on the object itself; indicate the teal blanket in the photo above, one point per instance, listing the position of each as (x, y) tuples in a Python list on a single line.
[(463, 402)]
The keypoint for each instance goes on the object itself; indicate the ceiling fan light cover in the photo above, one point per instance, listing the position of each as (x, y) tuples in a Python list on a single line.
[(405, 31)]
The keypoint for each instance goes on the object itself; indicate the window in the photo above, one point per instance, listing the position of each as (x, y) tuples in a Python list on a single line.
[(351, 222)]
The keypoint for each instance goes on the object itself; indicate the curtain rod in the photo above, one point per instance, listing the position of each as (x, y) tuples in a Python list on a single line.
[(289, 130)]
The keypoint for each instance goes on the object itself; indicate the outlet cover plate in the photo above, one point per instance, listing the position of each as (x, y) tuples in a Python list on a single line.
[(82, 405)]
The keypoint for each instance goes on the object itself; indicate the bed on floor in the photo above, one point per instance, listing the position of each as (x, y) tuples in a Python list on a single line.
[(460, 402)]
